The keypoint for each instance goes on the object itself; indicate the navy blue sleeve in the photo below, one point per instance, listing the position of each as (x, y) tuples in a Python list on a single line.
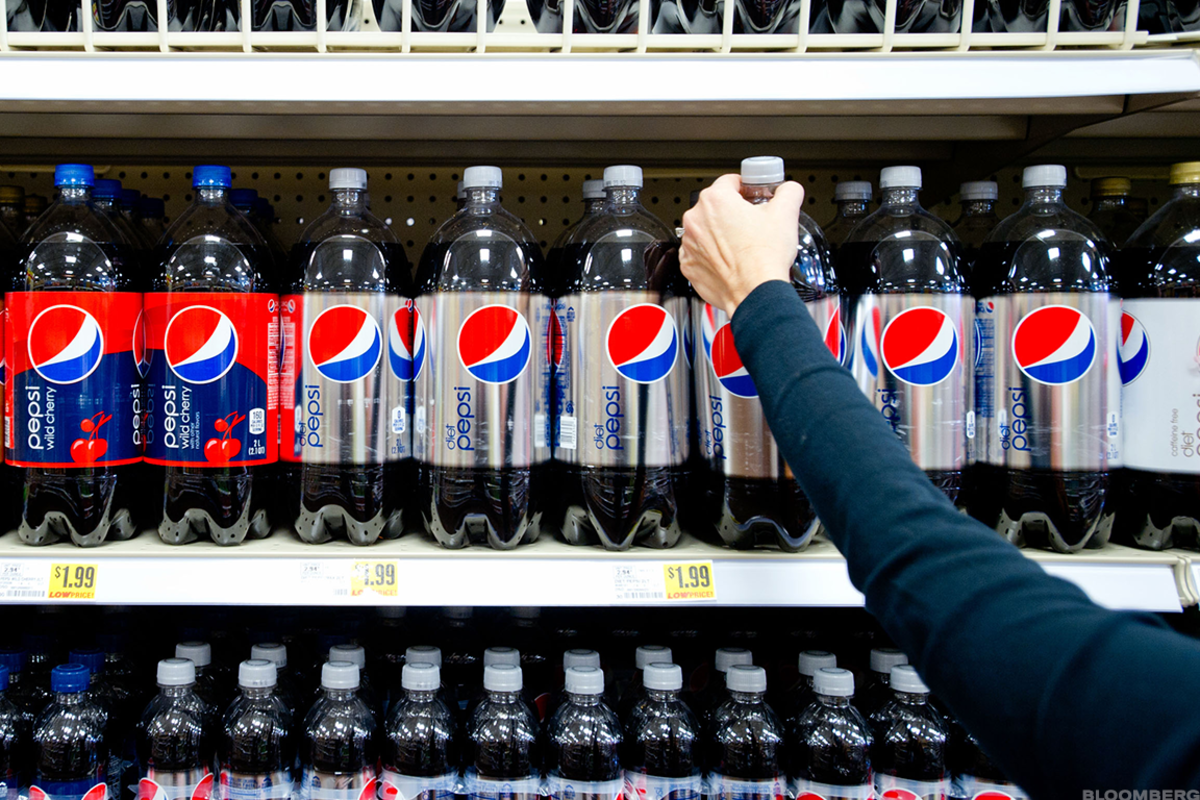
[(1063, 694)]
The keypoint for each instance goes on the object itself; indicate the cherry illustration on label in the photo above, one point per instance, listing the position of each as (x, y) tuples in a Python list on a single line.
[(93, 448), (220, 451)]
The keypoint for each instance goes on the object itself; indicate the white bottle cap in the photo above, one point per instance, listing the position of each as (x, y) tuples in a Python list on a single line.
[(884, 658), (483, 178), (593, 189), (584, 680), (746, 678), (458, 612), (275, 653), (979, 190), (900, 177), (257, 673), (347, 179), (1044, 175), (502, 655), (834, 682), (339, 675), (462, 191), (176, 672), (728, 656), (353, 653), (623, 175), (502, 678), (813, 660), (199, 653), (906, 679), (581, 658), (762, 169), (421, 677), (652, 654), (663, 677), (853, 190), (423, 654)]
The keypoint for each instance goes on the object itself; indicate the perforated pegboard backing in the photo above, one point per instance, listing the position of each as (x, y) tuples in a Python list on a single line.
[(416, 201)]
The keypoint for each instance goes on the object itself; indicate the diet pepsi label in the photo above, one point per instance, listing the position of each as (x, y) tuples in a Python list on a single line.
[(72, 390), (395, 786), (1055, 393), (640, 786), (255, 786), (474, 397), (968, 787), (196, 784), (212, 387), (70, 790), (1159, 362), (478, 787), (722, 787), (342, 353), (890, 787), (803, 789), (560, 788), (317, 785), (552, 421), (910, 360), (628, 380)]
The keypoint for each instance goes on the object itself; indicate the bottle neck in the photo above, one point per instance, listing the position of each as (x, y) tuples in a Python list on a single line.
[(482, 195), (583, 699), (421, 695), (341, 695), (900, 196), (350, 202), (257, 692), (852, 208), (73, 194), (503, 697), (758, 193), (979, 208), (622, 195), (912, 699), (68, 698), (834, 702), (1191, 190), (661, 695), (1111, 202), (106, 203), (593, 206), (1044, 195), (747, 697), (177, 691), (212, 196)]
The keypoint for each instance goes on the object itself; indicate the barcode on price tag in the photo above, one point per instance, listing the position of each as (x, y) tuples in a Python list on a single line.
[(73, 581), (22, 581), (638, 583), (321, 580)]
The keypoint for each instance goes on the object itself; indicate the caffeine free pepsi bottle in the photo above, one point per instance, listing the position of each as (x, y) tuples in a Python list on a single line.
[(583, 742), (256, 752), (420, 737), (909, 752), (475, 394), (70, 753), (347, 367), (829, 743), (1047, 395), (662, 749), (910, 314), (212, 337), (746, 752), (503, 757), (1111, 211), (175, 739), (755, 499), (622, 441), (338, 753), (1158, 490), (73, 403)]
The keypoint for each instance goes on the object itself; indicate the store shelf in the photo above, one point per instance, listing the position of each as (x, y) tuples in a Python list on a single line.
[(282, 570)]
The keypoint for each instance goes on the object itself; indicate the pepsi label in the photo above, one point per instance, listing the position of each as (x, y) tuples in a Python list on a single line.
[(722, 787), (317, 785), (69, 790), (1158, 358), (213, 392), (73, 389), (255, 786), (395, 786), (909, 359), (560, 788), (477, 787), (802, 789), (474, 397), (968, 787), (195, 784), (552, 421), (890, 787), (640, 786)]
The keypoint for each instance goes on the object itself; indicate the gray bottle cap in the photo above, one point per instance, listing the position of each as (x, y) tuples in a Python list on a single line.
[(581, 658), (834, 682), (423, 654), (652, 654), (623, 175), (593, 189), (339, 675), (853, 190), (275, 653), (746, 678), (906, 679), (483, 178), (762, 169), (502, 678), (176, 672), (728, 656), (900, 177), (353, 653), (813, 660), (663, 677), (1044, 175), (256, 673), (347, 179), (421, 677), (979, 190), (884, 658), (502, 655), (584, 680), (199, 653)]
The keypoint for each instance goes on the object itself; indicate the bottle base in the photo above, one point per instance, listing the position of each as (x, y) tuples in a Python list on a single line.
[(1060, 511), (55, 526), (87, 510), (1156, 511), (359, 504), (330, 521), (197, 523), (617, 509), (482, 507), (765, 513)]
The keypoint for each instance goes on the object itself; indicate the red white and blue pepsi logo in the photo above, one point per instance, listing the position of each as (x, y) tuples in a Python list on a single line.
[(1133, 352), (494, 344), (344, 344), (643, 343), (151, 790), (556, 339), (868, 343), (835, 335), (1054, 345), (708, 328), (727, 365), (65, 344), (141, 356), (406, 342), (920, 346), (201, 344)]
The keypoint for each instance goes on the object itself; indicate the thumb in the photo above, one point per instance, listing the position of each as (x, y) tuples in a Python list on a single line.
[(788, 200)]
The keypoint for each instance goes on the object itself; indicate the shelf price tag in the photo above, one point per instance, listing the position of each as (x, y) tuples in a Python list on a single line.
[(373, 576), (689, 580), (73, 581), (657, 582), (22, 580)]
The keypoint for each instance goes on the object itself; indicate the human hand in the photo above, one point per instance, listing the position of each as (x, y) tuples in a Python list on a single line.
[(731, 246)]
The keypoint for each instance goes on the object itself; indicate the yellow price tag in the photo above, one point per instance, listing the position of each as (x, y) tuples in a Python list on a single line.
[(73, 581), (375, 576), (691, 580)]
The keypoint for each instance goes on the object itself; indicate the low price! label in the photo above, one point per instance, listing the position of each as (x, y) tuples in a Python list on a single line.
[(689, 581), (72, 582), (373, 576)]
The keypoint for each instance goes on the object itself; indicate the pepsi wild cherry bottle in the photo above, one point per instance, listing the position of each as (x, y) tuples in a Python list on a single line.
[(212, 334), (909, 312), (754, 498), (347, 365), (1047, 392), (73, 402)]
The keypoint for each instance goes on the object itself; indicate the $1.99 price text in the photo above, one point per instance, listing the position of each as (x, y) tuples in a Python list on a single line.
[(689, 581), (72, 582), (373, 576)]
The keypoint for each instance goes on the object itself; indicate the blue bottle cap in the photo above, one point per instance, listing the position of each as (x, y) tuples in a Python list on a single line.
[(211, 175), (243, 199), (107, 189), (130, 198), (3, 677), (13, 660), (152, 207), (92, 658), (70, 678), (74, 175)]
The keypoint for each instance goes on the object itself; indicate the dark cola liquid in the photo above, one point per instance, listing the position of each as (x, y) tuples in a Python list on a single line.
[(583, 744), (760, 512), (175, 735), (503, 740), (829, 744), (70, 752), (339, 737), (662, 739), (747, 742), (911, 741), (419, 737)]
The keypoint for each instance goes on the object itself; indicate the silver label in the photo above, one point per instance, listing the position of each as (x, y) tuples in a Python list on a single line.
[(909, 359), (474, 399), (549, 337)]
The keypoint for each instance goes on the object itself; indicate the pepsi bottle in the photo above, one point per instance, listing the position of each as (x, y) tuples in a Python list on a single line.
[(1047, 396), (73, 417), (256, 751), (662, 743), (212, 336), (27, 694), (909, 752), (622, 438), (438, 16), (878, 691), (853, 199), (301, 15), (978, 218), (285, 689), (1111, 211), (829, 743), (712, 695), (175, 744), (346, 415), (589, 16), (491, 657), (420, 756), (127, 204), (974, 774), (869, 16), (754, 498), (503, 741), (151, 211), (909, 312), (746, 755), (583, 742), (643, 657), (1158, 493), (476, 390), (70, 753), (106, 194), (14, 742), (801, 696), (338, 754), (593, 204), (529, 637)]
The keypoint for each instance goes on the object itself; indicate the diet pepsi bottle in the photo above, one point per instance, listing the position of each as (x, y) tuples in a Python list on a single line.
[(70, 753), (209, 688), (853, 199), (593, 204), (583, 742), (256, 751), (175, 738), (909, 312), (1158, 496), (714, 693), (438, 16), (801, 695), (662, 749), (909, 753), (14, 742), (643, 657), (746, 755), (623, 433), (1047, 396), (589, 16), (420, 757), (878, 691), (475, 397), (503, 741), (285, 688), (338, 754), (978, 218), (212, 339), (974, 774), (301, 15), (345, 414), (755, 499), (73, 345), (829, 743)]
